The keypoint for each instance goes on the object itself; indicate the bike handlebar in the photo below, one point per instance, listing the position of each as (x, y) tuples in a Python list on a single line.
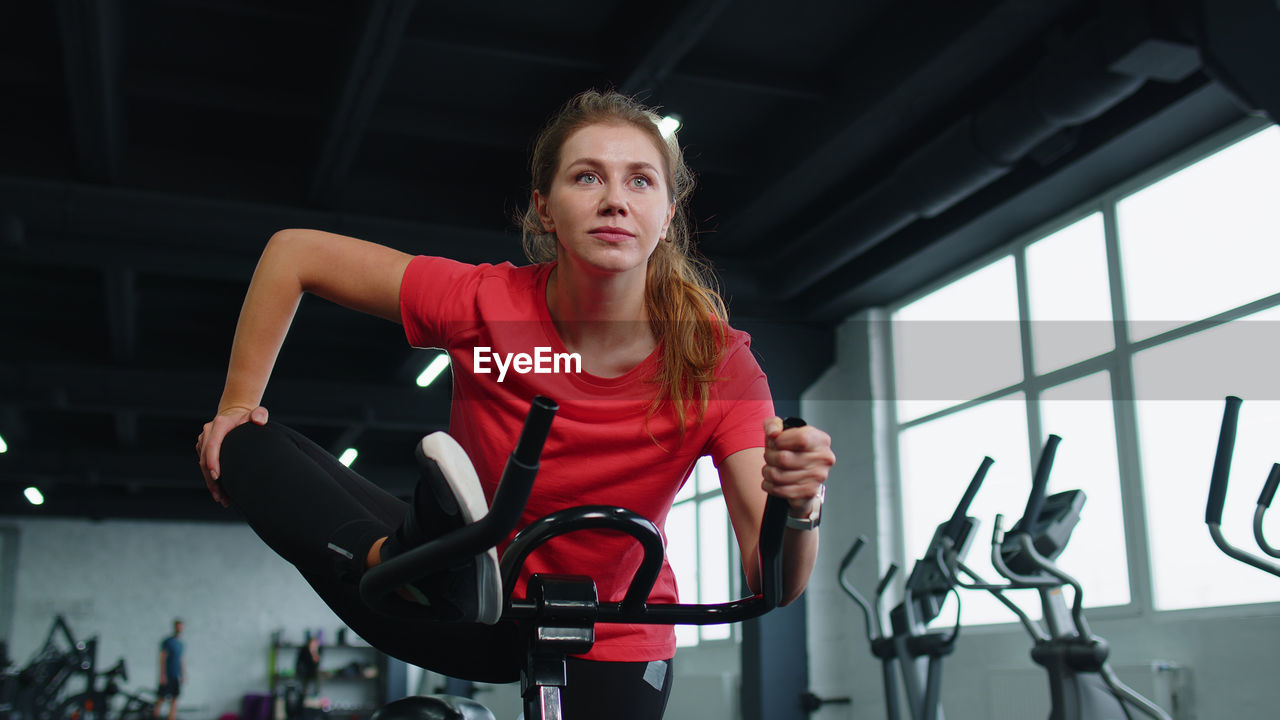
[(380, 582)]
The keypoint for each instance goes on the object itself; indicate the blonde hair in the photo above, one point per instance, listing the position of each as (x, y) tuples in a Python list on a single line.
[(686, 312)]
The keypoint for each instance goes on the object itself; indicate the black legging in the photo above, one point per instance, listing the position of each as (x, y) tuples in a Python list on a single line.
[(300, 500)]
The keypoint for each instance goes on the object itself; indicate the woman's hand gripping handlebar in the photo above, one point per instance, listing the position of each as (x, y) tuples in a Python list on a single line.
[(380, 582)]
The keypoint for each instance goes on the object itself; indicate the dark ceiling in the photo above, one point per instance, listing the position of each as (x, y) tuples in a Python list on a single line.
[(847, 153)]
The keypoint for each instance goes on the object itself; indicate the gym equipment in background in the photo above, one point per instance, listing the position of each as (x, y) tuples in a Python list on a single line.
[(1082, 685), (1218, 495), (911, 650)]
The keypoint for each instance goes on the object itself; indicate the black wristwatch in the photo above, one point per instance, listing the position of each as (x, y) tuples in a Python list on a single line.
[(815, 517)]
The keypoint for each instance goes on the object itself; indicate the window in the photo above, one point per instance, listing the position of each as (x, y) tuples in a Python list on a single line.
[(1121, 332), (701, 549)]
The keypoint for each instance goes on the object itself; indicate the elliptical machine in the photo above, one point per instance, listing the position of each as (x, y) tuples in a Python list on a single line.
[(1218, 495), (914, 649), (558, 614), (1082, 685)]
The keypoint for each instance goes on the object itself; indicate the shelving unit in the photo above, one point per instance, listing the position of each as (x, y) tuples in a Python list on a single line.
[(352, 679)]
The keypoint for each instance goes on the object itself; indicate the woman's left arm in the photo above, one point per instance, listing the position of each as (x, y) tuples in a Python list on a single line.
[(793, 465)]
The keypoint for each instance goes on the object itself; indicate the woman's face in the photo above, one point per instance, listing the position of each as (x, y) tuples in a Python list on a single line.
[(609, 202)]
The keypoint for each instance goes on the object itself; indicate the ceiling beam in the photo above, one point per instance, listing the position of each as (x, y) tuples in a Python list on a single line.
[(200, 237), (122, 312), (874, 107), (90, 53), (381, 30), (180, 394), (676, 38)]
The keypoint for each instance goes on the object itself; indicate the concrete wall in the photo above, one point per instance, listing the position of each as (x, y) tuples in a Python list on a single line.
[(125, 582), (1230, 652)]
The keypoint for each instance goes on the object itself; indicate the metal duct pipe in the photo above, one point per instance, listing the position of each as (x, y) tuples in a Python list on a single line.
[(1070, 85)]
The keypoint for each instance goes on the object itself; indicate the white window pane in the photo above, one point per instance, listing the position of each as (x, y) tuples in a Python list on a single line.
[(1070, 296), (689, 487), (708, 478), (957, 343), (1082, 414), (1204, 240), (1239, 354), (1178, 426), (682, 543), (713, 554), (938, 459)]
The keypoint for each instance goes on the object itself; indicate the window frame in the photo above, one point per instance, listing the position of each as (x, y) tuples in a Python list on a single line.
[(1118, 362), (714, 494)]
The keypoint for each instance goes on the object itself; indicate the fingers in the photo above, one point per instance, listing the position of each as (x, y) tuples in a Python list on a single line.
[(797, 461), (209, 445)]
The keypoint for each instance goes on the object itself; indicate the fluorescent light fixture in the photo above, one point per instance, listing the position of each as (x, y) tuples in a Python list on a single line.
[(668, 125), (4, 447), (33, 496), (433, 370), (348, 456)]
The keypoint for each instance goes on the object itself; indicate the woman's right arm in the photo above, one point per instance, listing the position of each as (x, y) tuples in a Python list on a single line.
[(356, 274)]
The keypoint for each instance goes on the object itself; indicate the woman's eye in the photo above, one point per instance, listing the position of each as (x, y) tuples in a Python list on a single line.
[(640, 181), (586, 177)]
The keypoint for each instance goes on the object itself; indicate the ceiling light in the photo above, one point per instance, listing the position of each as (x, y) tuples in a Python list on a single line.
[(348, 456), (4, 447), (433, 370), (33, 496), (668, 125)]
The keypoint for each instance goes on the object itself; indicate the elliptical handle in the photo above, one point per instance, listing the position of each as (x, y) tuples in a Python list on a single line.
[(957, 518), (1269, 489), (1039, 485), (1222, 461)]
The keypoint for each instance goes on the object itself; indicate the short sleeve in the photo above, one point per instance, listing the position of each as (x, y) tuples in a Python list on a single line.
[(436, 296), (743, 400)]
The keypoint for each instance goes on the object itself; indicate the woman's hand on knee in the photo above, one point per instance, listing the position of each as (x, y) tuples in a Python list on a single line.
[(209, 444)]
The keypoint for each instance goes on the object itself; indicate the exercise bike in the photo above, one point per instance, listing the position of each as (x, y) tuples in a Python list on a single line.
[(558, 614), (1082, 685), (914, 650), (1218, 495), (37, 690)]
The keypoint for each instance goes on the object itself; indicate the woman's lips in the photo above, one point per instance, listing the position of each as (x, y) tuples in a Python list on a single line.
[(612, 234)]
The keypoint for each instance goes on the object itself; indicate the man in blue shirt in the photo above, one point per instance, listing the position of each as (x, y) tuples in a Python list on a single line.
[(173, 672)]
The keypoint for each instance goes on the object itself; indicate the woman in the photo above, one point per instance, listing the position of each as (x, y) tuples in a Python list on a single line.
[(662, 380)]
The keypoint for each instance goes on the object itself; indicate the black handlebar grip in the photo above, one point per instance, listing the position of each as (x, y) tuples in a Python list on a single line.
[(957, 518), (888, 576), (537, 424), (1039, 485), (1222, 461), (771, 531), (853, 552), (1269, 489)]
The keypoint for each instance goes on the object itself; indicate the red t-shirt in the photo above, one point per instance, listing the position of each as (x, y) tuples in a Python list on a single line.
[(600, 450)]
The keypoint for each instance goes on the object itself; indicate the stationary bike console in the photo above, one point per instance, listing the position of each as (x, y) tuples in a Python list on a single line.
[(558, 614)]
